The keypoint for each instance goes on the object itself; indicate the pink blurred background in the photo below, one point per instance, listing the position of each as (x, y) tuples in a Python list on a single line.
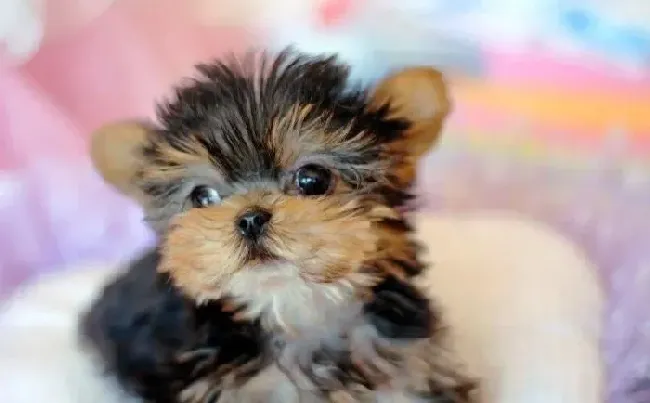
[(551, 120)]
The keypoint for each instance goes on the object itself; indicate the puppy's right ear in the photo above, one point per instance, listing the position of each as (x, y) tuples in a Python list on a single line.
[(116, 152)]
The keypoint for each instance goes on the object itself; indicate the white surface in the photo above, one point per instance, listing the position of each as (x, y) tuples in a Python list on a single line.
[(523, 304)]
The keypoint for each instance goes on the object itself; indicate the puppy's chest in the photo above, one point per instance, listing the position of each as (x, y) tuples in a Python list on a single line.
[(300, 319), (292, 313), (284, 303)]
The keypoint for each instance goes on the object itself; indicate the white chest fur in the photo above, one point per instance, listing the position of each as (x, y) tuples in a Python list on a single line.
[(284, 300)]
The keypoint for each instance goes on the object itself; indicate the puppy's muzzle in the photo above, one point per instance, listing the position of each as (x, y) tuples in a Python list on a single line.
[(253, 223)]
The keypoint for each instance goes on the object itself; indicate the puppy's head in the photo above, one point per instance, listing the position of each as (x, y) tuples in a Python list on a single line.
[(270, 170)]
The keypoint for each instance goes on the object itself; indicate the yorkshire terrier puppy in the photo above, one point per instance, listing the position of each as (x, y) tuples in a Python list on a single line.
[(285, 269)]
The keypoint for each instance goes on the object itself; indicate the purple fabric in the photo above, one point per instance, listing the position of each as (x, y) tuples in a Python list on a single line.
[(58, 213)]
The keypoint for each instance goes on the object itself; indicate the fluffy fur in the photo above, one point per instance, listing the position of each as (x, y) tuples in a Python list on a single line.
[(320, 301)]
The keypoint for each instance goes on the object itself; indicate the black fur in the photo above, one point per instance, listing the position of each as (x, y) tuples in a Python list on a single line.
[(142, 326), (229, 109), (232, 101), (399, 311)]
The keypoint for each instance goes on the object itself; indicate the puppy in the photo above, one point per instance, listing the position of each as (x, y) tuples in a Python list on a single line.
[(285, 269)]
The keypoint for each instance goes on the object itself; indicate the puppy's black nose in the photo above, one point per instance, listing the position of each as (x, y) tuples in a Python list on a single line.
[(253, 223)]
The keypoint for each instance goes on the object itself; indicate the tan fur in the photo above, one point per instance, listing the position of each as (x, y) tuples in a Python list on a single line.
[(419, 95), (114, 150), (296, 135), (393, 245), (317, 250), (284, 131)]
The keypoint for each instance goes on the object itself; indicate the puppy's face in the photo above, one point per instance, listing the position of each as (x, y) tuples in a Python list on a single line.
[(272, 174)]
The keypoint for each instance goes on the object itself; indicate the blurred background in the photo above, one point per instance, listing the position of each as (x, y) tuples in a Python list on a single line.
[(551, 119)]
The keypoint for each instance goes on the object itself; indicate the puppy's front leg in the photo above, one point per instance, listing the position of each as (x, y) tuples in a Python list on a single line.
[(392, 351), (400, 347)]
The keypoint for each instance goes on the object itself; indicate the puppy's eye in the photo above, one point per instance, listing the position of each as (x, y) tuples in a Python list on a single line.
[(204, 196), (314, 180)]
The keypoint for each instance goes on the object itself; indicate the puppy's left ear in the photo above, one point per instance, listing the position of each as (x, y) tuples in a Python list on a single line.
[(419, 96)]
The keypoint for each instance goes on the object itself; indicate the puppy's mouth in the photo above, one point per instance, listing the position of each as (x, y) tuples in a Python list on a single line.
[(258, 253)]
